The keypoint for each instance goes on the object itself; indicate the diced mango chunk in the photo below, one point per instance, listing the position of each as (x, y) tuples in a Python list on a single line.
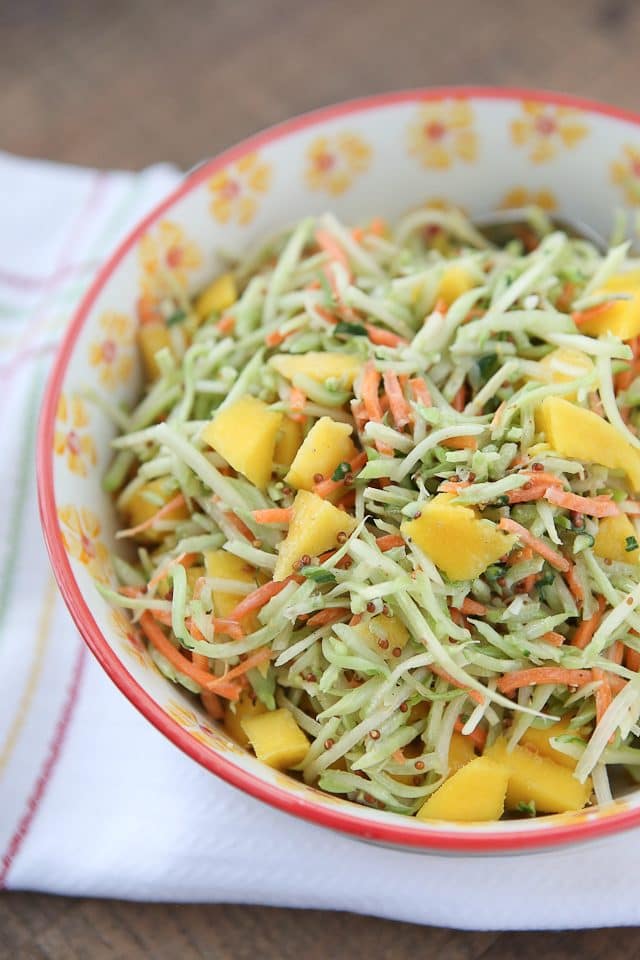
[(459, 542), (314, 528), (391, 631), (288, 442), (245, 433), (538, 779), (225, 566), (153, 337), (218, 296), (318, 366), (614, 535), (538, 739), (234, 713), (581, 434), (474, 792), (276, 739), (622, 317), (566, 364), (460, 752), (145, 503), (453, 283), (327, 444)]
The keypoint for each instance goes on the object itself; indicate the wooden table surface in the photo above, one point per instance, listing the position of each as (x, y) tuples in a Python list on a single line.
[(130, 82)]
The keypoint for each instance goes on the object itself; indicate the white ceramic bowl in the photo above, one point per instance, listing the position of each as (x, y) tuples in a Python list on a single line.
[(478, 148)]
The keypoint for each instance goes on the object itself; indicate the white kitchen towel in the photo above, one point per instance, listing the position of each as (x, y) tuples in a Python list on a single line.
[(93, 800)]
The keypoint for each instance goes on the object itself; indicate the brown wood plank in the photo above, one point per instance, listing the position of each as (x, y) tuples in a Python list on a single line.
[(131, 82)]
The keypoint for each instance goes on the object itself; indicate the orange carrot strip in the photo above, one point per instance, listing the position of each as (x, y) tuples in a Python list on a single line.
[(472, 608), (226, 324), (378, 227), (603, 695), (528, 494), (384, 338), (389, 541), (370, 385), (274, 515), (258, 598), (551, 556), (230, 628), (511, 682), (616, 683), (358, 234), (616, 653), (581, 316), (172, 504), (324, 617), (586, 628), (333, 249), (212, 705), (460, 443), (477, 736), (460, 399), (326, 487), (163, 645), (240, 526), (553, 637), (632, 659), (355, 620), (261, 655), (421, 391), (474, 694), (164, 570), (574, 584), (297, 401), (399, 407), (453, 486), (602, 506), (326, 314), (274, 339)]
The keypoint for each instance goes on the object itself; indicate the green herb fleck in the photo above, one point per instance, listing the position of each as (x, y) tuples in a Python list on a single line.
[(527, 808), (318, 574), (176, 317), (630, 544), (350, 329), (341, 470)]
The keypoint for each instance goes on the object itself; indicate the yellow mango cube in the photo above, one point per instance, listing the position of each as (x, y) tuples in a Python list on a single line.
[(226, 566), (287, 443), (538, 739), (611, 539), (314, 528), (145, 503), (453, 283), (153, 337), (234, 713), (390, 630), (474, 792), (245, 433), (622, 317), (581, 434), (318, 366), (461, 751), (461, 544), (218, 296), (327, 444), (538, 779), (276, 739)]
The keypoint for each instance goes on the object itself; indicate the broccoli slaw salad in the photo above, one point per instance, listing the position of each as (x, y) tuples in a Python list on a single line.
[(379, 497)]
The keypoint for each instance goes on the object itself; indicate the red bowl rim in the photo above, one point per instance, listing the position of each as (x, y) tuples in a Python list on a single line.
[(527, 838)]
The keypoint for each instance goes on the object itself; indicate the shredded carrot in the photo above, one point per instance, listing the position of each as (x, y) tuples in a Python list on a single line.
[(478, 736), (172, 504), (581, 316), (273, 515), (574, 584), (616, 683), (551, 556), (261, 655), (528, 493), (459, 401), (632, 659), (553, 637), (497, 417), (384, 338), (184, 559), (326, 314), (420, 391), (603, 695), (566, 296), (453, 486), (163, 645), (586, 628), (240, 526), (474, 694), (328, 616), (378, 227), (226, 324), (274, 339), (389, 541), (461, 443), (398, 405), (329, 486), (147, 310), (355, 620), (602, 506), (230, 628), (348, 501), (297, 402), (212, 705), (472, 608), (358, 234), (332, 248), (258, 598), (616, 653), (370, 385), (511, 682)]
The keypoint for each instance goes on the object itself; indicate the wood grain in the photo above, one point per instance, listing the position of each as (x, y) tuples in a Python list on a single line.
[(131, 82)]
